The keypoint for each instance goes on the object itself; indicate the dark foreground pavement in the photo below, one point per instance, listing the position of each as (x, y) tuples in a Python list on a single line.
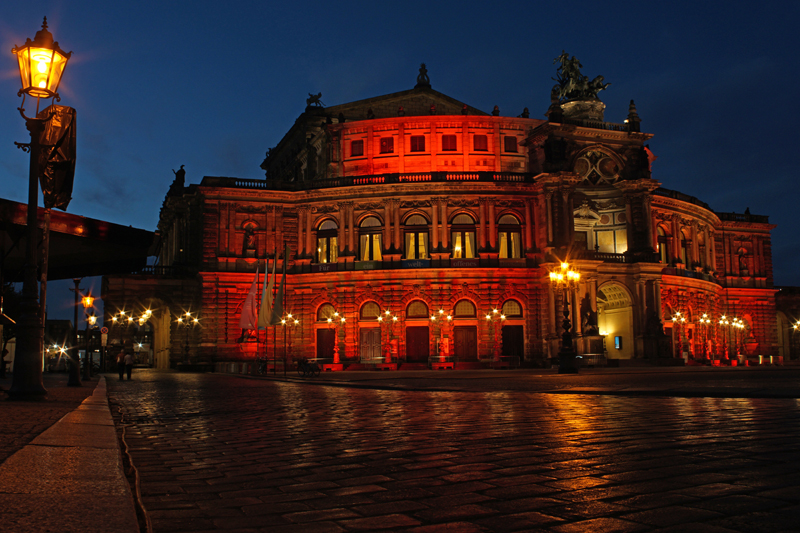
[(399, 453)]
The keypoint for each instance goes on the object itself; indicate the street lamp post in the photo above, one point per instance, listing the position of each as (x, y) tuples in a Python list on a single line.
[(705, 321), (87, 302), (389, 320), (186, 320), (41, 64), (495, 318), (566, 279), (334, 322), (291, 322)]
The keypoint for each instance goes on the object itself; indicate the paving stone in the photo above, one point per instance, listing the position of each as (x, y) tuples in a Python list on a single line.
[(456, 461)]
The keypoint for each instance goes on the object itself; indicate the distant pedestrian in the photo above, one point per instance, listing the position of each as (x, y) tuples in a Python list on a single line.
[(121, 364), (3, 363), (129, 364)]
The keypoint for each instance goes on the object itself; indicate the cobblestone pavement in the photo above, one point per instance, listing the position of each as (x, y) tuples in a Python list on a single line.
[(219, 452), (22, 421)]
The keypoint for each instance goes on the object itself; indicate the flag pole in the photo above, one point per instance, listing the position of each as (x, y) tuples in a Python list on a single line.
[(285, 259)]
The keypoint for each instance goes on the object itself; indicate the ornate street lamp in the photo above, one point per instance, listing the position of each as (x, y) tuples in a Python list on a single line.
[(680, 321), (186, 320), (289, 322), (389, 320), (41, 65), (334, 322), (496, 318), (567, 280), (705, 321)]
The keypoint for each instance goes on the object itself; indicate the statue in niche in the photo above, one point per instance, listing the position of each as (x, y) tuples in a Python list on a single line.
[(249, 241), (588, 317), (572, 85), (314, 100)]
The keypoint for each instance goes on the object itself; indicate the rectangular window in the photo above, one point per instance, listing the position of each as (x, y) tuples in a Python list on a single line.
[(416, 245), (464, 245), (480, 143), (417, 143), (449, 143), (510, 144), (356, 148), (387, 145), (510, 245), (371, 247)]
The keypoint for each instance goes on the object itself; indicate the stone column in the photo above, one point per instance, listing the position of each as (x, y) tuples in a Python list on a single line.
[(445, 237), (695, 246), (549, 215), (341, 233), (629, 222), (528, 226), (492, 232), (676, 236), (387, 225), (351, 233), (309, 233), (301, 245), (398, 245), (481, 223), (648, 217), (435, 223)]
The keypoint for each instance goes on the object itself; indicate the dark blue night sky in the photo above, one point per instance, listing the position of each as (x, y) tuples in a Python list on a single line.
[(211, 85)]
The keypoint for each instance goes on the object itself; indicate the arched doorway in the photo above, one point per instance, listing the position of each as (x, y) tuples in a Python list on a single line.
[(615, 320)]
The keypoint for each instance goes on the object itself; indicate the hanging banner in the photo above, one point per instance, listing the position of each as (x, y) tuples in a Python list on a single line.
[(57, 156)]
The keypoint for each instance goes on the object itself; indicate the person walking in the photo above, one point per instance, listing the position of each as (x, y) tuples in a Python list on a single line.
[(121, 364), (129, 364)]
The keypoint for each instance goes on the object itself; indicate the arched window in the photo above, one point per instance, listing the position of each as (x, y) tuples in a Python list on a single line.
[(512, 308), (371, 239), (685, 244), (464, 309), (327, 242), (701, 248), (510, 237), (370, 311), (416, 231), (417, 309), (663, 253), (463, 233), (325, 312)]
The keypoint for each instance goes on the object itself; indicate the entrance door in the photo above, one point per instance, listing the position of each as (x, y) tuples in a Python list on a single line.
[(513, 341), (370, 343), (466, 343), (417, 344), (325, 340)]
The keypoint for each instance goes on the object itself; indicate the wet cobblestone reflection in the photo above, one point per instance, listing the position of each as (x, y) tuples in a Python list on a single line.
[(221, 452)]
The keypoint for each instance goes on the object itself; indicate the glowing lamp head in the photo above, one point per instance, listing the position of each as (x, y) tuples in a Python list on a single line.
[(41, 64), (92, 320), (87, 301)]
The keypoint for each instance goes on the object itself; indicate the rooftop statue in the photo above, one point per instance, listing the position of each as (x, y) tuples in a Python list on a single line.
[(423, 80), (572, 85), (315, 100)]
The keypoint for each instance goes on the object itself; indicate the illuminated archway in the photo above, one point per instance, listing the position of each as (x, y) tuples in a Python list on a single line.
[(615, 320)]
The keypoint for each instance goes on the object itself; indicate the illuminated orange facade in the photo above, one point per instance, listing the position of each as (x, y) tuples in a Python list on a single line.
[(421, 206)]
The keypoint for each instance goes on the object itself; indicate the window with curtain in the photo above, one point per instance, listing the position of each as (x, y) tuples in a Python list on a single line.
[(387, 145), (416, 235), (463, 237), (370, 239), (327, 242), (510, 144), (509, 237), (356, 148), (480, 143), (662, 245)]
